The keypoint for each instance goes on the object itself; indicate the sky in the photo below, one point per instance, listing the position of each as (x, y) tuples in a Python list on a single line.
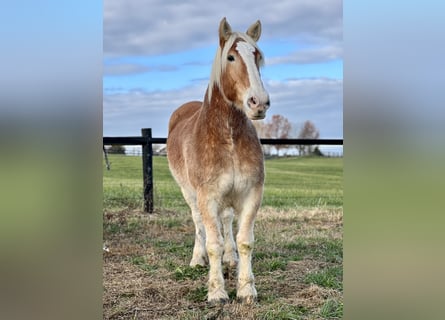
[(158, 55)]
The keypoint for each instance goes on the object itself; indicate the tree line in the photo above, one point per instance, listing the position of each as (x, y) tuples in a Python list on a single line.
[(279, 127)]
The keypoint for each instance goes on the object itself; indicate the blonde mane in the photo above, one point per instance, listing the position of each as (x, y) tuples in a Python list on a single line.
[(219, 64)]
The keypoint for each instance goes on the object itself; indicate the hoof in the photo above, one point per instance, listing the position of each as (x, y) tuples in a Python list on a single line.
[(232, 264), (230, 259), (247, 300), (218, 297), (218, 302), (247, 294), (198, 262)]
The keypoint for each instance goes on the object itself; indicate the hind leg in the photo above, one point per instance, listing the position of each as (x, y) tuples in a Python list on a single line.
[(230, 256), (199, 256), (199, 250)]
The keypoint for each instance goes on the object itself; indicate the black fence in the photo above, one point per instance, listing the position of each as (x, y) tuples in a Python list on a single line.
[(146, 141)]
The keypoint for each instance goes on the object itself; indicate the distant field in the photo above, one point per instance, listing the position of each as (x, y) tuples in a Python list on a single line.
[(290, 183)]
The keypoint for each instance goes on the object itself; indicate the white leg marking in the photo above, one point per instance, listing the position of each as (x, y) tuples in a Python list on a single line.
[(214, 246), (246, 291)]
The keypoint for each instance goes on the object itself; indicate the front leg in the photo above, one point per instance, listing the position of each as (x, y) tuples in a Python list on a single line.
[(246, 291), (214, 245)]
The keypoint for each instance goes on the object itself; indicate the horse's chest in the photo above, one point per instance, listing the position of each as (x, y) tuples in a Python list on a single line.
[(229, 167)]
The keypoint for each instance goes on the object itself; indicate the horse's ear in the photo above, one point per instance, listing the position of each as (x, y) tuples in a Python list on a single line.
[(224, 31), (254, 31)]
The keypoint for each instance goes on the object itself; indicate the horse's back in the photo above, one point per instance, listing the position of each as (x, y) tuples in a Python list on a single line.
[(183, 113)]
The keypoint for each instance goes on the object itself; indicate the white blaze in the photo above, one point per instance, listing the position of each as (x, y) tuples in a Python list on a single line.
[(246, 51)]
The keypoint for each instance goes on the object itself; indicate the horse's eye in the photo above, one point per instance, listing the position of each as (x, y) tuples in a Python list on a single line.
[(231, 58)]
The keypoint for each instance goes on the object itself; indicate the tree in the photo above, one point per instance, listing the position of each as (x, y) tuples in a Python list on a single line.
[(317, 152), (278, 128), (307, 131), (116, 149)]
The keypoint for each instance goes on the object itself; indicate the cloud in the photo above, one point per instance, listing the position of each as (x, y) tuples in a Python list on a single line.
[(125, 113), (124, 69), (153, 27), (319, 100), (117, 69), (309, 55)]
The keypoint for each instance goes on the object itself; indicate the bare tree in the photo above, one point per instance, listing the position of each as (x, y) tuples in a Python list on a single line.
[(278, 128), (307, 131)]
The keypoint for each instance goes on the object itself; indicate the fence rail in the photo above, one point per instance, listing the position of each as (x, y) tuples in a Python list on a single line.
[(146, 141)]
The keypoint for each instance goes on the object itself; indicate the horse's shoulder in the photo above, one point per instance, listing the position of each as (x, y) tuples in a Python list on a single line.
[(186, 111)]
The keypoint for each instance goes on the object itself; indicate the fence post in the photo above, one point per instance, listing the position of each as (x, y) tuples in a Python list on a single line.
[(147, 169)]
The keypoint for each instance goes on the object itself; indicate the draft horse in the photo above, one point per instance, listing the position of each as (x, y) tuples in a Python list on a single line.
[(216, 158)]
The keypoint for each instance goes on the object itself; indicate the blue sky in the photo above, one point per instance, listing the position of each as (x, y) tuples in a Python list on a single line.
[(158, 55), (166, 72)]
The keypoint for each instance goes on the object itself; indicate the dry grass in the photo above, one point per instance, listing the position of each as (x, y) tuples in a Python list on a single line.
[(297, 264)]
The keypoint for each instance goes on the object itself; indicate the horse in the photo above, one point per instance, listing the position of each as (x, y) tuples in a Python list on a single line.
[(216, 158)]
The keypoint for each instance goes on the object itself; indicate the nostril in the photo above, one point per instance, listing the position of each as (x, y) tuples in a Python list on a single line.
[(253, 101)]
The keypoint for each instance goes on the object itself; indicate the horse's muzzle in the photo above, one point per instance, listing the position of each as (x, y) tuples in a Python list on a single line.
[(257, 108)]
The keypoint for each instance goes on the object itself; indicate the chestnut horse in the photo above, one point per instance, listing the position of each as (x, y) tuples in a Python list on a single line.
[(216, 158)]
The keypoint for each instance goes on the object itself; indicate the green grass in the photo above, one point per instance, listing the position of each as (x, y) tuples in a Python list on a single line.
[(142, 263), (327, 278), (187, 272), (330, 250), (332, 309), (290, 183), (304, 182), (284, 312)]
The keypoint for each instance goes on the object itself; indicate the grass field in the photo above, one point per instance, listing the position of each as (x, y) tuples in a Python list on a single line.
[(290, 183), (297, 258)]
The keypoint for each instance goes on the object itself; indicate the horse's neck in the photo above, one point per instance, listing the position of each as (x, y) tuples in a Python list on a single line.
[(220, 117)]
